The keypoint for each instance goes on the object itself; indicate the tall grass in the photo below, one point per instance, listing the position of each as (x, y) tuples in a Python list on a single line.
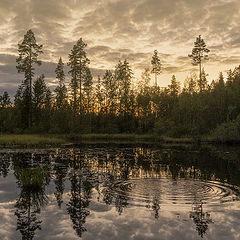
[(30, 140)]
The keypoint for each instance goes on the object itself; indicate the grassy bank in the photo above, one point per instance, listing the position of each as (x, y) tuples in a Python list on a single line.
[(124, 138), (30, 140), (27, 140)]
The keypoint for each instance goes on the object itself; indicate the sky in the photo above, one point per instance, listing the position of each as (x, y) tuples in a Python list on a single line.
[(121, 29)]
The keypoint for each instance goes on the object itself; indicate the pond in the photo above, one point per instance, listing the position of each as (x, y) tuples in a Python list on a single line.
[(119, 192)]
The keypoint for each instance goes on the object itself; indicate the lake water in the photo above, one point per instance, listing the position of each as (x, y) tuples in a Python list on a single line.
[(120, 192)]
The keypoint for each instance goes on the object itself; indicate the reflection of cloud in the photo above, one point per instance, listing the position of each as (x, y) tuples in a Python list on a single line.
[(134, 223), (7, 221)]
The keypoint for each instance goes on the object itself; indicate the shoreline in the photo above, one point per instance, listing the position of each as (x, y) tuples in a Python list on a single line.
[(64, 140)]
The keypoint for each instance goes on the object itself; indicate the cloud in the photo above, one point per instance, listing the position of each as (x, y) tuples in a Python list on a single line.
[(118, 29)]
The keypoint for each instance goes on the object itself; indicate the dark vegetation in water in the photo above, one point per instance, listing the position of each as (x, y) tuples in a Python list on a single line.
[(113, 173), (113, 104)]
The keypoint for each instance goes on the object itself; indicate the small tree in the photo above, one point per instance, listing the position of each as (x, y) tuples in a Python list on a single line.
[(5, 100), (202, 82), (156, 65), (174, 87)]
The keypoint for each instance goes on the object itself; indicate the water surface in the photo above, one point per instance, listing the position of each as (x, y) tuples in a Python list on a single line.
[(119, 192)]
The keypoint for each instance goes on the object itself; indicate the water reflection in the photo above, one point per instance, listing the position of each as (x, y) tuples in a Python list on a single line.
[(148, 180), (201, 219), (77, 208), (60, 170), (32, 177), (4, 164)]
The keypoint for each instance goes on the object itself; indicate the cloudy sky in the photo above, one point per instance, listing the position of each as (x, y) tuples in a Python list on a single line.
[(119, 29)]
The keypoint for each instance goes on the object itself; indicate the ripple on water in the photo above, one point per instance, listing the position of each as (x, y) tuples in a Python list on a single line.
[(179, 192)]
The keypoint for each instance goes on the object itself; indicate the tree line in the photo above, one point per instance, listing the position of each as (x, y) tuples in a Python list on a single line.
[(114, 104)]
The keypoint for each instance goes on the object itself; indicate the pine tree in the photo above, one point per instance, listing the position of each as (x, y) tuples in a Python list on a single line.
[(199, 53), (156, 65), (28, 57), (78, 63)]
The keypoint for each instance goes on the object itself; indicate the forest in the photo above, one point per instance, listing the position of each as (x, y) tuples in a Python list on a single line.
[(114, 103)]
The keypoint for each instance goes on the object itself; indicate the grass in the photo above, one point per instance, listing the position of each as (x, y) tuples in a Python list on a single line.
[(33, 140), (30, 140), (125, 138), (32, 178)]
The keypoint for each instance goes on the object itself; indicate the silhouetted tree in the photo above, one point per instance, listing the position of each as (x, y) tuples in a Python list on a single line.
[(110, 91), (28, 56), (156, 65), (199, 53), (174, 87), (60, 90), (123, 75), (6, 113), (78, 63)]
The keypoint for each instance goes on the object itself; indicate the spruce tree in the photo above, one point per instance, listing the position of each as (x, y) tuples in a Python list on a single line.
[(202, 82), (110, 91), (39, 97), (88, 90), (174, 87), (99, 95), (60, 90), (123, 74), (5, 100)]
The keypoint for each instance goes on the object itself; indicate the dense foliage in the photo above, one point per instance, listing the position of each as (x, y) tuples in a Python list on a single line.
[(114, 104)]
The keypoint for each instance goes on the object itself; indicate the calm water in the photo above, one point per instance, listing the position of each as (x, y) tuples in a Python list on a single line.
[(108, 192)]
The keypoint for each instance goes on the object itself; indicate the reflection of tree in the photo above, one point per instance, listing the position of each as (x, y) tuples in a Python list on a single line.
[(174, 169), (156, 206), (200, 218), (60, 172), (120, 166), (81, 189), (31, 199), (4, 165), (107, 195), (121, 201)]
